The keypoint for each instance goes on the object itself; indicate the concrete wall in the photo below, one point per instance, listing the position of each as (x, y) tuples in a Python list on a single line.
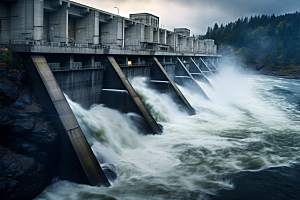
[(170, 69), (131, 72), (82, 86), (25, 20)]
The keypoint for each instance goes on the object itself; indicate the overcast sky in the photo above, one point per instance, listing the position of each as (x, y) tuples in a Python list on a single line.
[(196, 15)]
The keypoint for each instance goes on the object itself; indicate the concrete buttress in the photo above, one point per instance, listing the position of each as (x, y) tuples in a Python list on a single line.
[(77, 161), (193, 83), (117, 81), (197, 73), (159, 73)]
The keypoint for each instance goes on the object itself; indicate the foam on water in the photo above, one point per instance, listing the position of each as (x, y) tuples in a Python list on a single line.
[(247, 126), (107, 130)]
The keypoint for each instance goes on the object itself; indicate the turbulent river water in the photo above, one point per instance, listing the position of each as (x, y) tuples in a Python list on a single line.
[(251, 124)]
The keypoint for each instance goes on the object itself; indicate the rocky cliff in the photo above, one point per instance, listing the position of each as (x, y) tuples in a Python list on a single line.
[(29, 145)]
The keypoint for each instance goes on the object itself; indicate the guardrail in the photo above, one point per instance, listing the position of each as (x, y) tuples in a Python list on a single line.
[(137, 64), (55, 67), (168, 63), (101, 47)]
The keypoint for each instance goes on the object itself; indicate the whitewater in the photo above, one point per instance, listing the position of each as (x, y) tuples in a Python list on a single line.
[(250, 123)]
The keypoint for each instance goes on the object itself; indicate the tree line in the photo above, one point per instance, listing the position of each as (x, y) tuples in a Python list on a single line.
[(269, 39)]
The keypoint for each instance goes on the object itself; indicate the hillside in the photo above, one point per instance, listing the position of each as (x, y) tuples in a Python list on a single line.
[(269, 44)]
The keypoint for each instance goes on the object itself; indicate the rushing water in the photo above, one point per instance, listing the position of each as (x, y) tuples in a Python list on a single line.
[(250, 124)]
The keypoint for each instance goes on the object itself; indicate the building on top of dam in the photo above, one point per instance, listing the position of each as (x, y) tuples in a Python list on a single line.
[(63, 23), (146, 18), (183, 31)]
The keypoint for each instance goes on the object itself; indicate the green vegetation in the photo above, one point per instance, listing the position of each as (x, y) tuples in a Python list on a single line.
[(271, 43), (10, 57)]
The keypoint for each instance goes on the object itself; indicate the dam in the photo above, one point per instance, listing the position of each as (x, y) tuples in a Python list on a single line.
[(91, 56)]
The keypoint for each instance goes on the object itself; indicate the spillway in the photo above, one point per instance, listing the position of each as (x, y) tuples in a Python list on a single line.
[(250, 124)]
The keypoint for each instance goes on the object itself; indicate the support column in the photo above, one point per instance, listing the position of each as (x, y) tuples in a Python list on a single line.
[(112, 31), (156, 35), (58, 22), (148, 34), (197, 73), (184, 77), (196, 45), (38, 10), (87, 28), (117, 84), (159, 75), (162, 36), (91, 61), (171, 40), (77, 160), (182, 44)]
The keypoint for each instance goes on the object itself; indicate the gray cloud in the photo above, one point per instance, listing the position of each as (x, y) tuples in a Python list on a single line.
[(198, 14)]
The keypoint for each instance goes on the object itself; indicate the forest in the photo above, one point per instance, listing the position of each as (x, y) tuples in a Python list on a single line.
[(267, 43)]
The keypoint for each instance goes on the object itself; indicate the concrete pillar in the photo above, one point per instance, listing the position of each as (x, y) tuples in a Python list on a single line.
[(38, 18), (196, 45), (139, 60), (87, 28), (148, 34), (215, 49), (171, 40), (176, 42), (201, 46), (46, 27), (134, 34), (126, 60), (112, 32), (162, 36), (58, 22), (182, 43), (123, 32), (156, 35), (190, 44), (91, 61), (69, 62)]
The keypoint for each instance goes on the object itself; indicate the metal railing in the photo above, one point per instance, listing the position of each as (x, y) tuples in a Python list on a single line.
[(168, 63), (137, 64), (56, 67), (101, 47)]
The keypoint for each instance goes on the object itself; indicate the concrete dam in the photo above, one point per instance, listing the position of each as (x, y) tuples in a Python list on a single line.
[(91, 56)]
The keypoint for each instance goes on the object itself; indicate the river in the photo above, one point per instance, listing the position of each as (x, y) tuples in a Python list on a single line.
[(248, 128)]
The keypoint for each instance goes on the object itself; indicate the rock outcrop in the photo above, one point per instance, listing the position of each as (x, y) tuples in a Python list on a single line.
[(29, 145)]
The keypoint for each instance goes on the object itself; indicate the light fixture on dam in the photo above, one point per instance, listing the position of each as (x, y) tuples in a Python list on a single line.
[(129, 63)]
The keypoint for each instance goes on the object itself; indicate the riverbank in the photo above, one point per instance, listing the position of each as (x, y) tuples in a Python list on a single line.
[(29, 145)]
